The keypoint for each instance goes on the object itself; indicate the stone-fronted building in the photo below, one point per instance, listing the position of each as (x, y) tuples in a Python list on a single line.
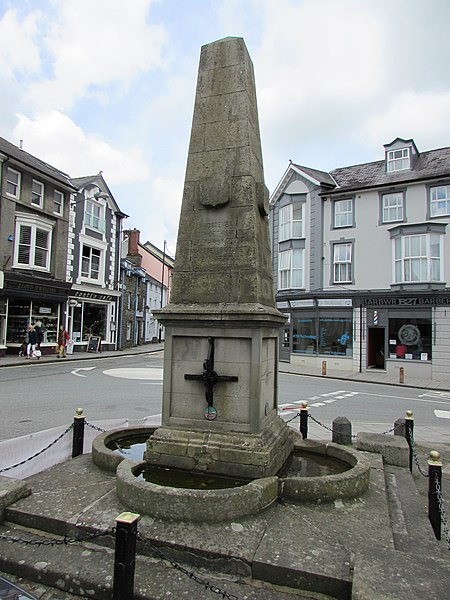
[(145, 283), (359, 261), (93, 265), (34, 222)]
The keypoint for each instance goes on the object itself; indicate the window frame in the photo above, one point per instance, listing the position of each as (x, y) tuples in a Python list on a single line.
[(288, 271), (39, 195), (99, 252), (437, 201), (59, 212), (89, 216), (350, 222), (290, 227), (392, 160), (336, 264), (35, 225), (13, 183), (404, 263), (383, 208)]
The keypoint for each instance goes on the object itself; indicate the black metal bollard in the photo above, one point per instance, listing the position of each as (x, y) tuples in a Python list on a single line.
[(435, 479), (78, 433), (304, 420), (409, 434), (125, 556)]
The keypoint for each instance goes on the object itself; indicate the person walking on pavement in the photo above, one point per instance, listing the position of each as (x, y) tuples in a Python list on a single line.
[(32, 342), (63, 338)]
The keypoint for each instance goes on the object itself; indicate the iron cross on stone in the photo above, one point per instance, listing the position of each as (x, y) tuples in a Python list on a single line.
[(209, 378)]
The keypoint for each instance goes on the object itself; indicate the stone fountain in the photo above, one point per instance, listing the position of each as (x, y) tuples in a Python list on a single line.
[(219, 413)]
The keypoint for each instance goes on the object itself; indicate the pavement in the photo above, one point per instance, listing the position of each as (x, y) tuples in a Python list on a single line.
[(376, 547)]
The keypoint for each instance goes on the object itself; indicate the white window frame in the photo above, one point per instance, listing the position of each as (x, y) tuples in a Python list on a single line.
[(418, 258), (58, 205), (342, 262), (438, 203), (92, 252), (85, 240), (94, 221), (37, 193), (291, 268), (343, 213), (14, 183), (291, 222), (393, 208), (35, 224), (398, 160)]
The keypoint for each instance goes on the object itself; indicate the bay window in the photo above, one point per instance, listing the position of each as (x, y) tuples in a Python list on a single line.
[(290, 269), (417, 258)]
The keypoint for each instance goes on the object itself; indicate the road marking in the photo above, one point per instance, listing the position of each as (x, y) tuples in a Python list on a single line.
[(150, 374), (442, 414), (75, 371)]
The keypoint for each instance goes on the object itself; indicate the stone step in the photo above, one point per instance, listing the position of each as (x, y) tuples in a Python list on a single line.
[(408, 511), (86, 569)]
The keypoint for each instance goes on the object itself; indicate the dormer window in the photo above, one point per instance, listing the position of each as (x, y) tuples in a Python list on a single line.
[(398, 160)]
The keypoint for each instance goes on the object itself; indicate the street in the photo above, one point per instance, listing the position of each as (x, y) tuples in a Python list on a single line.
[(35, 397)]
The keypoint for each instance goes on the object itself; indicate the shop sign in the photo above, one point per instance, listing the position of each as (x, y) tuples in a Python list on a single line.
[(44, 310), (335, 302), (90, 295), (299, 303), (414, 301), (282, 304)]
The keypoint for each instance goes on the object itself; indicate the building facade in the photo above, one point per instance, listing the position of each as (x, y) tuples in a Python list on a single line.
[(93, 266), (34, 222), (146, 278), (359, 260)]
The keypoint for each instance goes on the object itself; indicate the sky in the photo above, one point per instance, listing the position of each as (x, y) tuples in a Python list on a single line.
[(108, 85)]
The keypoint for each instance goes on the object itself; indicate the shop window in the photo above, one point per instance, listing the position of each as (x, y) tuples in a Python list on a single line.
[(290, 269), (417, 258), (304, 338), (410, 339), (335, 336)]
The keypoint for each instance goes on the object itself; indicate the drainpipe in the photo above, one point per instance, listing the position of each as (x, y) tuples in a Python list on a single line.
[(360, 337), (135, 312), (120, 316)]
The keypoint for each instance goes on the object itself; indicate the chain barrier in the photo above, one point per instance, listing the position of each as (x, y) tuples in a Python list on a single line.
[(294, 417), (442, 510), (410, 440), (92, 426), (38, 453), (190, 574), (319, 423), (57, 541)]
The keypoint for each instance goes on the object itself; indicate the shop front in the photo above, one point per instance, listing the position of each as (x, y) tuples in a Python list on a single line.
[(28, 300), (92, 314)]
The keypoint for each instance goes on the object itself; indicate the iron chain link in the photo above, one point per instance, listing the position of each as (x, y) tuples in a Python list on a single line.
[(92, 426), (410, 440), (442, 510), (190, 574), (38, 453)]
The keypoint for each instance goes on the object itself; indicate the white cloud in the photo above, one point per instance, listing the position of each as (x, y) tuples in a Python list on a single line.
[(18, 51), (95, 44), (423, 116), (76, 152)]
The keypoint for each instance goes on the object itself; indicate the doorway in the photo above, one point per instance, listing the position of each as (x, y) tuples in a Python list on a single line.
[(376, 348)]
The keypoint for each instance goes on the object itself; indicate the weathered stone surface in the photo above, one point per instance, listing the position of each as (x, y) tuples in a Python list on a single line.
[(394, 449)]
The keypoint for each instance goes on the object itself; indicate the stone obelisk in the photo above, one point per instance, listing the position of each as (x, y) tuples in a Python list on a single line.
[(221, 326)]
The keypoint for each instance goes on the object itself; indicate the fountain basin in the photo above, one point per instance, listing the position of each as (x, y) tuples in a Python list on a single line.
[(171, 503), (103, 454), (350, 483)]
